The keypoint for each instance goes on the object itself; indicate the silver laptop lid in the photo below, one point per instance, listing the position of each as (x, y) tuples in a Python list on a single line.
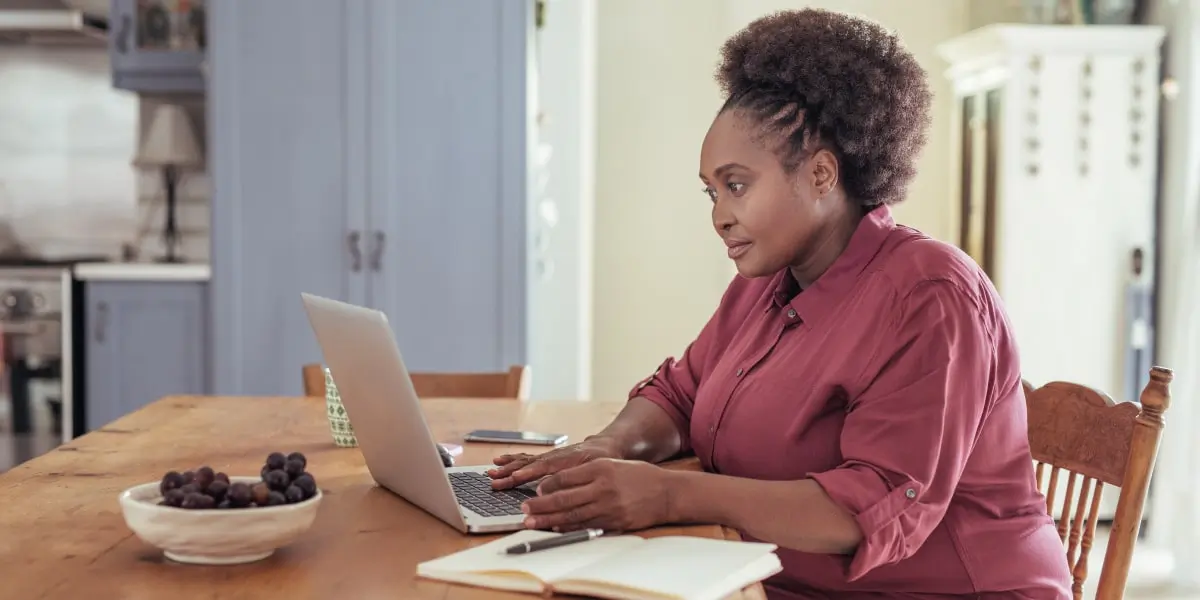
[(377, 392)]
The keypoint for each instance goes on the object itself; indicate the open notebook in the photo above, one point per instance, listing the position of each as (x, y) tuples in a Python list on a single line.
[(623, 567)]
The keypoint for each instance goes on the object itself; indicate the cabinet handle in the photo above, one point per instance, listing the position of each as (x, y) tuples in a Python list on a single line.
[(122, 37), (101, 321), (377, 251), (355, 252)]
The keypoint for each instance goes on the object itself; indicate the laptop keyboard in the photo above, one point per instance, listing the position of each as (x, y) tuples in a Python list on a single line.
[(474, 491)]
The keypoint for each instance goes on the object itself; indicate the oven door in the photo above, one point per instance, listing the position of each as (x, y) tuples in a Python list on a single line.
[(31, 406)]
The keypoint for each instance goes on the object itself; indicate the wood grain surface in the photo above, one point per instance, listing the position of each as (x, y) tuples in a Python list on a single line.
[(62, 534)]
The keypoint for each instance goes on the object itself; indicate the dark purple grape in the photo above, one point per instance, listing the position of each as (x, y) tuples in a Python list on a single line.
[(198, 501), (170, 481), (307, 484), (300, 457), (174, 497), (188, 477), (259, 493), (262, 473), (240, 495), (225, 504), (277, 480), (204, 477), (275, 498), (163, 503), (294, 494), (218, 489), (294, 468), (190, 488), (275, 460), (221, 477)]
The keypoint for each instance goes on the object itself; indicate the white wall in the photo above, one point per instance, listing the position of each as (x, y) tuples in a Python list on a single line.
[(659, 267), (563, 197)]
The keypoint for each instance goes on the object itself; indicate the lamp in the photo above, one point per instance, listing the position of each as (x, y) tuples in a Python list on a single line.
[(171, 146)]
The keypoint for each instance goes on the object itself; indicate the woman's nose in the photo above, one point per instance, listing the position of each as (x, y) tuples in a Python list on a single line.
[(722, 218)]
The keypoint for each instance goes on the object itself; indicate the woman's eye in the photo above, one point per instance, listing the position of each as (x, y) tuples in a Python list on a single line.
[(711, 193), (737, 188)]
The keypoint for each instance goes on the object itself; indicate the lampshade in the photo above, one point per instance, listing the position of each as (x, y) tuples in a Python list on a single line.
[(170, 141)]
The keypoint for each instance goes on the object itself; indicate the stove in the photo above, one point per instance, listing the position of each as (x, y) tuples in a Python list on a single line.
[(35, 331), (31, 313)]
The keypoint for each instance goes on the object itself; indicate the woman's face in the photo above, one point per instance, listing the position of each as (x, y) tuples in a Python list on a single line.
[(768, 218)]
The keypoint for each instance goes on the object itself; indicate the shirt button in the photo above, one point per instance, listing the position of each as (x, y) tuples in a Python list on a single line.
[(791, 313), (738, 374), (712, 429), (910, 493)]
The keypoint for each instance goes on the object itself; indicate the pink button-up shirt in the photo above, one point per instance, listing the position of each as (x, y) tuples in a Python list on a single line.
[(892, 381)]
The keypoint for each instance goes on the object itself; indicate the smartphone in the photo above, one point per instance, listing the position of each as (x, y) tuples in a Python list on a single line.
[(515, 437)]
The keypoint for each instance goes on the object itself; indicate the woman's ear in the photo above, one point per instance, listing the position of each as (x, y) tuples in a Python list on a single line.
[(823, 170)]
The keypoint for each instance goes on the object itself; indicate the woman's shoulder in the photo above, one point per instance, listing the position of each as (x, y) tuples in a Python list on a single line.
[(911, 258)]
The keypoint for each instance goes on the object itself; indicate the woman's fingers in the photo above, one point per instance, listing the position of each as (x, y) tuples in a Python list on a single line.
[(505, 459), (560, 501), (567, 509)]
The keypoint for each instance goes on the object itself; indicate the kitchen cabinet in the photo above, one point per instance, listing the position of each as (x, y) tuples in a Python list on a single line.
[(158, 46), (141, 340), (383, 162)]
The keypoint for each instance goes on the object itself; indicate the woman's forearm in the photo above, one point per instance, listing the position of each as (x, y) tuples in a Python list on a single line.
[(793, 514), (641, 431)]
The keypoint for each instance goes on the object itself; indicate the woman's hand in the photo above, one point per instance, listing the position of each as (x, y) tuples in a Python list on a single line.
[(517, 469), (609, 494)]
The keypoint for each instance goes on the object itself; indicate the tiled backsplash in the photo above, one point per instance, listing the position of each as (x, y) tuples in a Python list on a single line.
[(67, 139)]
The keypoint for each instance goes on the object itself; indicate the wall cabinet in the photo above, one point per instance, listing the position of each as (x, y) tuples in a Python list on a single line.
[(383, 161), (158, 46), (141, 341)]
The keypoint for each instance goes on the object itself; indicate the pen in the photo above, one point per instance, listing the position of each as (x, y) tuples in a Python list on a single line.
[(574, 537)]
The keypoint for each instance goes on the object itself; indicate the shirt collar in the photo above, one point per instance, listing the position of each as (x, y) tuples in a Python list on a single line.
[(827, 292)]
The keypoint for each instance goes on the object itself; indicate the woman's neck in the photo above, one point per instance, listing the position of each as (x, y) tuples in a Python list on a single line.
[(830, 242)]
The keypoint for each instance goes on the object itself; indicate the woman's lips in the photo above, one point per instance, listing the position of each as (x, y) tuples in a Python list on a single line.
[(737, 249)]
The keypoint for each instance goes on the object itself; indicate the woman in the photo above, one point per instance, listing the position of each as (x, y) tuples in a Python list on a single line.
[(856, 397)]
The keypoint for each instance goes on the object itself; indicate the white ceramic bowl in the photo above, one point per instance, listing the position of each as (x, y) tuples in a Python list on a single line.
[(215, 536)]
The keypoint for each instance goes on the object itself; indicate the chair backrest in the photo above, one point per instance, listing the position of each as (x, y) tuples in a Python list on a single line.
[(1082, 432), (513, 383)]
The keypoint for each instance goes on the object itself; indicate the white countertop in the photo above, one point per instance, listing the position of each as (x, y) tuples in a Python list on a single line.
[(142, 271)]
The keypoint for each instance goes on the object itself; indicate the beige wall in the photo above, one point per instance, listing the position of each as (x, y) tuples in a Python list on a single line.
[(659, 268)]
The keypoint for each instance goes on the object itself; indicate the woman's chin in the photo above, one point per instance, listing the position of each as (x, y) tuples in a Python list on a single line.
[(749, 269)]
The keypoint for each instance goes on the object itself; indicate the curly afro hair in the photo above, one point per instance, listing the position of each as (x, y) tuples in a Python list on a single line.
[(815, 78)]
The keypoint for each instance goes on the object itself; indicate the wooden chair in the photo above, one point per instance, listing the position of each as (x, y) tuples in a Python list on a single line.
[(513, 383), (1082, 432)]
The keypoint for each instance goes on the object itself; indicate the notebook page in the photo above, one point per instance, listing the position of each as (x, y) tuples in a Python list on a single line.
[(546, 565), (686, 567)]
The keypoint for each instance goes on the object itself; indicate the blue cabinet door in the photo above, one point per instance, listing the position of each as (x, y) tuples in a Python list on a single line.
[(144, 341), (448, 147), (383, 162), (158, 46), (287, 170)]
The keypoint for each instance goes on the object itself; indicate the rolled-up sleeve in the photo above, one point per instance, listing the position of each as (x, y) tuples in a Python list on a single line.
[(673, 388), (908, 435)]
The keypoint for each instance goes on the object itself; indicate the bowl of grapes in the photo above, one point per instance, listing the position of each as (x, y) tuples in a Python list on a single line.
[(210, 518)]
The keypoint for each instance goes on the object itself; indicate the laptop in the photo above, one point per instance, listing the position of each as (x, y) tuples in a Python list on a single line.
[(392, 433)]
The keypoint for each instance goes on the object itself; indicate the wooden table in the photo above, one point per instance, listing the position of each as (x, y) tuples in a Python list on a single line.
[(62, 534)]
